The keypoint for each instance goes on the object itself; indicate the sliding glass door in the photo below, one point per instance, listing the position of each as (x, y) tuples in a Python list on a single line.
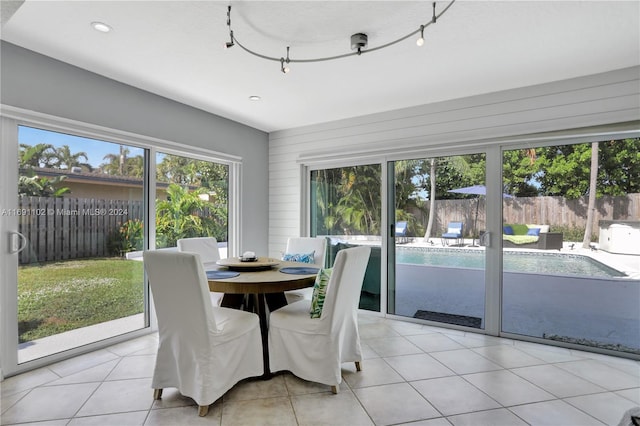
[(346, 207), (80, 208), (570, 244), (436, 253)]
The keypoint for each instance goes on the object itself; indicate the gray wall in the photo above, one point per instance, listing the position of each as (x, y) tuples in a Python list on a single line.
[(42, 84)]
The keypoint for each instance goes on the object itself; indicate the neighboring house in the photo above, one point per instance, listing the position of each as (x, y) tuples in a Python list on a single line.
[(101, 185)]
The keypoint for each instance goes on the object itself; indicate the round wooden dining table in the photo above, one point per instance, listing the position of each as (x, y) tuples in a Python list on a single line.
[(264, 283)]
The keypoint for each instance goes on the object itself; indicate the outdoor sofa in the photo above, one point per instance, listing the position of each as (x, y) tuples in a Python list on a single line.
[(531, 236)]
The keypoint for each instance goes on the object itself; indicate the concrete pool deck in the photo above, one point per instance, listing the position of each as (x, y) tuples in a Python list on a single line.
[(599, 310)]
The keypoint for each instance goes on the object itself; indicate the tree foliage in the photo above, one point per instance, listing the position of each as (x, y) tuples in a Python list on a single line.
[(184, 214), (29, 183)]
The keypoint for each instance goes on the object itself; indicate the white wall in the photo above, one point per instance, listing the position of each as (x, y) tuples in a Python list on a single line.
[(597, 100), (38, 83)]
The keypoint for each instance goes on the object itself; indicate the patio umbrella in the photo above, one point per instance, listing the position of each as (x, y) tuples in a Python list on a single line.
[(475, 190)]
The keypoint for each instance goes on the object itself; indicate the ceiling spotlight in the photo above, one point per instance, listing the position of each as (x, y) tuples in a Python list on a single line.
[(101, 26), (420, 41), (254, 98)]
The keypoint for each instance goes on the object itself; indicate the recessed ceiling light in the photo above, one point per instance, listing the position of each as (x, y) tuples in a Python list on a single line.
[(101, 26), (254, 98)]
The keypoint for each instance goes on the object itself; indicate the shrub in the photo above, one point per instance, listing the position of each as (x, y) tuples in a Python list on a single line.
[(129, 237)]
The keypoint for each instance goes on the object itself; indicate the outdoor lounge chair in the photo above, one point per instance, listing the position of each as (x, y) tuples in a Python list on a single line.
[(454, 232)]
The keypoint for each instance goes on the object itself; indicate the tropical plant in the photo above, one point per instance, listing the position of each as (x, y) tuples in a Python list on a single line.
[(130, 237), (185, 214), (31, 185), (39, 155)]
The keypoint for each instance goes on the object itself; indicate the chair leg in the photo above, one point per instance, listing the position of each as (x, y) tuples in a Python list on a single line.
[(203, 410), (157, 393), (334, 389), (358, 366)]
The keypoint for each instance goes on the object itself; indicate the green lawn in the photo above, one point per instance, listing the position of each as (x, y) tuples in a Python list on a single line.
[(59, 296)]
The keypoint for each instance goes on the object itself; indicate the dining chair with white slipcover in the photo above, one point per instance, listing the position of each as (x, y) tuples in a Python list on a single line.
[(298, 250), (203, 350), (207, 248), (314, 348)]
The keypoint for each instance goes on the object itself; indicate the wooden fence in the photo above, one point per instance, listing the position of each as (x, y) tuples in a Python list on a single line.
[(555, 211), (70, 228)]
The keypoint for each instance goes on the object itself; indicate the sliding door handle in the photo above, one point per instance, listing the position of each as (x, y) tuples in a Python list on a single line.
[(17, 242)]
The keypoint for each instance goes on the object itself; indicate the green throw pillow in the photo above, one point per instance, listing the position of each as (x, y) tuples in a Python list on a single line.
[(319, 292)]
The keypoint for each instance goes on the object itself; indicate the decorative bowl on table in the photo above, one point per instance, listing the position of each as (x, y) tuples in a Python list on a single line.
[(248, 256)]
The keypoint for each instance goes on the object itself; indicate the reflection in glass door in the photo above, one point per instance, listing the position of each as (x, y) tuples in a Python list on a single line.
[(80, 211), (346, 207), (437, 259)]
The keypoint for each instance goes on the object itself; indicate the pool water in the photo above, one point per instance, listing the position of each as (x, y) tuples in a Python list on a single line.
[(548, 263)]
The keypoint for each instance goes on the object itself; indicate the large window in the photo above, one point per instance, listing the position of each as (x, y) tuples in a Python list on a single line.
[(570, 243), (191, 199)]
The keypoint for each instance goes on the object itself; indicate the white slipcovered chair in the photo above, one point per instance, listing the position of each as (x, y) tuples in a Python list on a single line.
[(203, 350), (305, 245), (207, 248), (314, 348)]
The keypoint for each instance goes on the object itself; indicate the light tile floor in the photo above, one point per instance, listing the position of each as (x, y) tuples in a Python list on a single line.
[(412, 374)]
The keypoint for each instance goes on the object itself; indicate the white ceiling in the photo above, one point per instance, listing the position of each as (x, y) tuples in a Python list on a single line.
[(174, 49)]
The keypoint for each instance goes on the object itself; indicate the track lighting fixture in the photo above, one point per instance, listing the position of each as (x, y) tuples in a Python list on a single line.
[(359, 42)]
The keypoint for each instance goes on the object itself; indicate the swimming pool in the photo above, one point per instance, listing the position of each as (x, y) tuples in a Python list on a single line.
[(513, 261)]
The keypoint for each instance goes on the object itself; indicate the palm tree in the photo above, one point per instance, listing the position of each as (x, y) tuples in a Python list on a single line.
[(39, 155), (593, 179), (65, 159), (432, 199), (115, 164)]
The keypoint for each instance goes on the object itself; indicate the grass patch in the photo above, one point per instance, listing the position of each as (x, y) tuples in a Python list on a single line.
[(54, 297)]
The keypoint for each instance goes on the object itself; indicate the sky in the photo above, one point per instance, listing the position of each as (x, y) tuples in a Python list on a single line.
[(95, 149)]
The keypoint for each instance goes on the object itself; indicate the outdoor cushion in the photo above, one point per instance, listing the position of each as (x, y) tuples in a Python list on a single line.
[(534, 231), (319, 292), (299, 257), (543, 228), (507, 230), (520, 239)]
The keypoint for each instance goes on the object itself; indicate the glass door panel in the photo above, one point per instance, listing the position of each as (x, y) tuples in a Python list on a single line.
[(192, 200), (571, 272), (437, 260), (80, 204), (346, 208)]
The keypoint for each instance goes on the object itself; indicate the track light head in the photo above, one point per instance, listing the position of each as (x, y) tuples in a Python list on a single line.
[(420, 41), (230, 43), (285, 68)]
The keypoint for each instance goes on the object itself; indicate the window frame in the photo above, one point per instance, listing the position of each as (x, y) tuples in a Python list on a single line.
[(11, 118)]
